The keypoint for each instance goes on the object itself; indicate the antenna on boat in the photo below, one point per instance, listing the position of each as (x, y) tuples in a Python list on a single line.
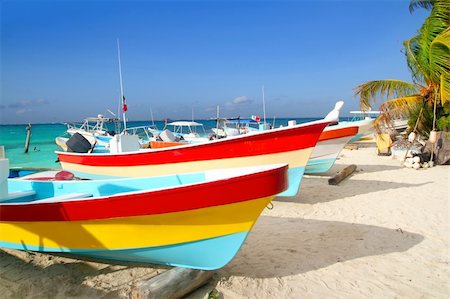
[(217, 119), (192, 113), (264, 105), (151, 115), (122, 97), (111, 112)]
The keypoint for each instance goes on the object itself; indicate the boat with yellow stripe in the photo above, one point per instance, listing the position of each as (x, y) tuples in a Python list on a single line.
[(195, 220), (292, 145)]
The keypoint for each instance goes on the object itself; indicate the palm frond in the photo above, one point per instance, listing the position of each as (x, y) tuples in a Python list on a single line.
[(369, 91), (445, 89), (427, 4), (398, 108), (440, 56), (418, 48), (411, 48)]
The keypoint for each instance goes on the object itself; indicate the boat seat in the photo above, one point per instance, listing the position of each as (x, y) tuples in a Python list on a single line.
[(63, 197), (18, 195)]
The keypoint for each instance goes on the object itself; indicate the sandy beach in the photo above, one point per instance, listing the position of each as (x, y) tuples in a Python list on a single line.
[(384, 232)]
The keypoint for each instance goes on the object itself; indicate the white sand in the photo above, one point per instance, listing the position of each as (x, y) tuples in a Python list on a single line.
[(384, 232)]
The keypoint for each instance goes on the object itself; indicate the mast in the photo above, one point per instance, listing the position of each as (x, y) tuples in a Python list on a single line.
[(264, 105), (151, 115), (122, 97), (217, 120)]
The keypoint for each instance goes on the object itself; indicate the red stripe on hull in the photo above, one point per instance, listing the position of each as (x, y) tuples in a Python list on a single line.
[(221, 192), (338, 133), (268, 142)]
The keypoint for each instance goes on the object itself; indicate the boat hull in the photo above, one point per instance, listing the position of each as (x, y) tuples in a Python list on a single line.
[(365, 128), (203, 239), (331, 143), (292, 145), (199, 225)]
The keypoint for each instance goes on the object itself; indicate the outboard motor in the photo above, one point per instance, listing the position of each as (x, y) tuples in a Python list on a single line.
[(78, 144)]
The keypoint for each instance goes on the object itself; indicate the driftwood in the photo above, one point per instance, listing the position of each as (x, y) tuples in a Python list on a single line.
[(351, 146), (174, 283), (338, 177)]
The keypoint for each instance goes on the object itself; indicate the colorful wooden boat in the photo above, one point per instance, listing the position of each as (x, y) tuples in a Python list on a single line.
[(195, 220), (291, 145), (332, 141)]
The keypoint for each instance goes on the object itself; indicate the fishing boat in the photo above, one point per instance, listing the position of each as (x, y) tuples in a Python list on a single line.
[(292, 145), (330, 144), (190, 131), (193, 220), (227, 127), (333, 140)]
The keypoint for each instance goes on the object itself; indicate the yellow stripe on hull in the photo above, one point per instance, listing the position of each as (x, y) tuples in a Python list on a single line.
[(137, 232), (298, 158)]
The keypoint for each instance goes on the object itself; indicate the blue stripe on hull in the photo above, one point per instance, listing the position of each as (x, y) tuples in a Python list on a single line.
[(295, 177), (356, 137), (208, 254), (319, 165)]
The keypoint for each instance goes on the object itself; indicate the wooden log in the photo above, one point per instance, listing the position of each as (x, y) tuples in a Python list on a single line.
[(174, 283), (351, 146), (338, 177), (28, 138)]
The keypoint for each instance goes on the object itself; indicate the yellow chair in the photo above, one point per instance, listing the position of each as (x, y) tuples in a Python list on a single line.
[(384, 143)]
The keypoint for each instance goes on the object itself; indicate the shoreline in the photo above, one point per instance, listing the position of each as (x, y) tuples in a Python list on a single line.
[(382, 232)]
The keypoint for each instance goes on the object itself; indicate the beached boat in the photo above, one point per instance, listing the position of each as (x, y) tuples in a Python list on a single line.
[(332, 141), (330, 144), (195, 220), (292, 145)]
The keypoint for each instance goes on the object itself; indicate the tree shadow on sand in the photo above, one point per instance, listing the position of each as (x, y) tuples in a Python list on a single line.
[(361, 168), (347, 188), (63, 277), (300, 245), (23, 279)]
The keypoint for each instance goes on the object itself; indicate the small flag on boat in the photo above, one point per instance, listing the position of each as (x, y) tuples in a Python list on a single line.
[(124, 105), (256, 118)]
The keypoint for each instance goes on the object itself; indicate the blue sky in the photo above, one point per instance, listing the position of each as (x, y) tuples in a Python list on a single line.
[(59, 58)]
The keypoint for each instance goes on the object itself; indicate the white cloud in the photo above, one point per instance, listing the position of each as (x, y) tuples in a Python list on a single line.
[(23, 110), (241, 100)]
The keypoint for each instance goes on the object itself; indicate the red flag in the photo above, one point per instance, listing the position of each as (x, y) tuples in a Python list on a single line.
[(256, 118), (124, 105)]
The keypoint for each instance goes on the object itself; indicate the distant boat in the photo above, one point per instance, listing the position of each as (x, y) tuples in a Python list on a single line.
[(292, 145), (194, 220), (227, 127), (399, 124), (190, 131), (93, 127)]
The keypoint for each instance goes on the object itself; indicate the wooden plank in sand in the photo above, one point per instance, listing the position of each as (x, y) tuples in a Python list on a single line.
[(174, 283), (338, 177)]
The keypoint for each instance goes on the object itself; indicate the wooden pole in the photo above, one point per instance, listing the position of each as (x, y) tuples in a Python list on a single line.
[(28, 138), (342, 174), (174, 283)]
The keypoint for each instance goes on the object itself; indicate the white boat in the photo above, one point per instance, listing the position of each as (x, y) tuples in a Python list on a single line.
[(95, 126), (227, 127), (399, 124), (191, 131)]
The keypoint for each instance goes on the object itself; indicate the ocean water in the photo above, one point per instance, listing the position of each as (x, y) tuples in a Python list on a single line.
[(41, 153)]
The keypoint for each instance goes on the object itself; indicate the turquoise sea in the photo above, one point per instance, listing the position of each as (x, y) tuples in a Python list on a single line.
[(42, 147)]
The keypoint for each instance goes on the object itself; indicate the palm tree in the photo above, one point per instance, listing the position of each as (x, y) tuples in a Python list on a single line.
[(428, 58)]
